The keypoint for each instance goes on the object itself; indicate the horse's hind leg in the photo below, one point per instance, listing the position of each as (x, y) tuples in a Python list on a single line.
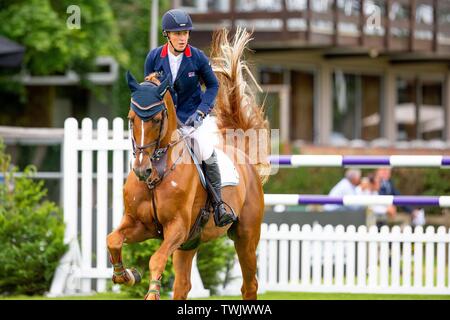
[(182, 264), (246, 241), (246, 251), (246, 235)]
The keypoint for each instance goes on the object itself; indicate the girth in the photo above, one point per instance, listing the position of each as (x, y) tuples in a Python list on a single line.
[(159, 163), (193, 239)]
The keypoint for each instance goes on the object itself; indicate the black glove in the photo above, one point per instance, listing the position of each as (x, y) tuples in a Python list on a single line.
[(195, 120)]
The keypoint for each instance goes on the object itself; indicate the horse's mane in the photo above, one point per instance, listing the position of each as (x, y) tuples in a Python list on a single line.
[(236, 106), (153, 77)]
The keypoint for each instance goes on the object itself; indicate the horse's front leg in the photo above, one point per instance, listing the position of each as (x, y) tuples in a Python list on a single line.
[(129, 231), (174, 235)]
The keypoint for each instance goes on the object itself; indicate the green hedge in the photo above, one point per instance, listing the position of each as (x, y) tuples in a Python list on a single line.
[(31, 232), (213, 258)]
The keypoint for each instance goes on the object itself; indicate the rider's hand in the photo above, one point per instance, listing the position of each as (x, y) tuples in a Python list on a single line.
[(195, 120)]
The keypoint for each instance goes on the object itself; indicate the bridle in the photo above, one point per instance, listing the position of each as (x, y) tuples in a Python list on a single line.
[(158, 157), (158, 152), (142, 148)]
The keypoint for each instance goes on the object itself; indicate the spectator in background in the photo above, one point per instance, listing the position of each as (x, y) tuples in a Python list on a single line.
[(383, 175), (347, 186), (376, 214), (367, 186)]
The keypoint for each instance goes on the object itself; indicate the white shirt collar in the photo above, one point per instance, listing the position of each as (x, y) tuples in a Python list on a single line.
[(175, 62), (174, 57)]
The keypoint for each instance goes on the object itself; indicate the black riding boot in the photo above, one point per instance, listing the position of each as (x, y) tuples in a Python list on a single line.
[(221, 216)]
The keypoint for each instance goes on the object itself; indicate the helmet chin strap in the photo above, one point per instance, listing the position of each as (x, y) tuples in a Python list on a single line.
[(175, 49)]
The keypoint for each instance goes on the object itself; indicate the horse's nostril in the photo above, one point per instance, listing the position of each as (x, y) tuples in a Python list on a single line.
[(148, 172)]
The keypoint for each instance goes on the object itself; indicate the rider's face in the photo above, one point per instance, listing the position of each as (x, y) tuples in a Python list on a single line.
[(179, 39)]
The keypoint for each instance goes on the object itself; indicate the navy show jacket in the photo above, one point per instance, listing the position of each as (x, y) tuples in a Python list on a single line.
[(186, 90)]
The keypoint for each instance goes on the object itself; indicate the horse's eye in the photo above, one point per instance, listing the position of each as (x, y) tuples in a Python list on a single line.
[(156, 121)]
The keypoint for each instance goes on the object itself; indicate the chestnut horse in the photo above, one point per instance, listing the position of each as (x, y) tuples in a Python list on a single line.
[(170, 208)]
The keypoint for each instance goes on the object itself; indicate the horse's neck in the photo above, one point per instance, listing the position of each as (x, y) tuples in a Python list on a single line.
[(173, 136), (171, 133)]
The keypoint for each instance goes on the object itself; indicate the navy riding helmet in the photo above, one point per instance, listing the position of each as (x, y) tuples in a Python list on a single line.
[(176, 20)]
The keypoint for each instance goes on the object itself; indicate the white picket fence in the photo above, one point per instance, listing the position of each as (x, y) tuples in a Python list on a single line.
[(325, 260), (328, 259)]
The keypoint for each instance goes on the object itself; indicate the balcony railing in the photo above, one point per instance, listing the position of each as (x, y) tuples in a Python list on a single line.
[(387, 25)]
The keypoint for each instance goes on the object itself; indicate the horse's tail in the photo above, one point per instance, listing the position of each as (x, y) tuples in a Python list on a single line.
[(236, 107)]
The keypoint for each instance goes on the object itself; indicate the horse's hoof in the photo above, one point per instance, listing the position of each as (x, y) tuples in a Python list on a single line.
[(119, 279), (137, 275), (152, 296), (134, 277)]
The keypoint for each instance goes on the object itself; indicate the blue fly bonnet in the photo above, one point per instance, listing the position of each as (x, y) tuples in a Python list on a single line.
[(146, 98)]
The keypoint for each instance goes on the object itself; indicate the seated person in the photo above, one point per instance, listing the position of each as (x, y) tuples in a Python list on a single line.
[(383, 175), (347, 186)]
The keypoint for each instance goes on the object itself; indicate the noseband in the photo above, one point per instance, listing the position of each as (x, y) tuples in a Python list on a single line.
[(142, 148)]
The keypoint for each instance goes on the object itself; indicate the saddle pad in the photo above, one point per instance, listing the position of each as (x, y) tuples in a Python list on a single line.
[(228, 173)]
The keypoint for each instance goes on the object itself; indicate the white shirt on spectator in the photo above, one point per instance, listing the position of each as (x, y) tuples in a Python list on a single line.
[(343, 188), (175, 62), (377, 209)]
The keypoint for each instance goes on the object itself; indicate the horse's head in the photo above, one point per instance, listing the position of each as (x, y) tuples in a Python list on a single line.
[(148, 121)]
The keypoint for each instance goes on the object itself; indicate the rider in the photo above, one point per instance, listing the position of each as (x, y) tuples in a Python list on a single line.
[(185, 65)]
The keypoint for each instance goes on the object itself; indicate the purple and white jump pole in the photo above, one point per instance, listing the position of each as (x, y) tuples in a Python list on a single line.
[(292, 161), (356, 200), (295, 161)]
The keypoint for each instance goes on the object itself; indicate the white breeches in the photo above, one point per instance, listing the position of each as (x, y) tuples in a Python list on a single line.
[(204, 138)]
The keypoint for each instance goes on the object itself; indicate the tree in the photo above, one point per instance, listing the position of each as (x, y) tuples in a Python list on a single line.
[(53, 48), (133, 18)]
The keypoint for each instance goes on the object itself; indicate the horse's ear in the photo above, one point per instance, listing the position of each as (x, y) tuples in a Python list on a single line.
[(162, 88), (132, 83)]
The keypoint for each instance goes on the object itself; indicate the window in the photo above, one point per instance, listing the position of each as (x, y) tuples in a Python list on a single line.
[(272, 109), (271, 98), (302, 106), (419, 113), (356, 106), (271, 76), (276, 99)]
